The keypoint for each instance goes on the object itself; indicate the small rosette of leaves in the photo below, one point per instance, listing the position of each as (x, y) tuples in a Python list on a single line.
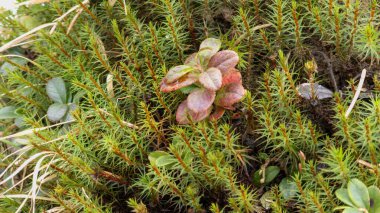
[(358, 198), (211, 80), (64, 101)]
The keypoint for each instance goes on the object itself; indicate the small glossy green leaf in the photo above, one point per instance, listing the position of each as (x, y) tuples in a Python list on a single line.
[(203, 57), (351, 210), (374, 196), (8, 112), (271, 173), (342, 195), (56, 90), (57, 111), (188, 89), (21, 111), (358, 193), (165, 160), (288, 188), (256, 178), (153, 156)]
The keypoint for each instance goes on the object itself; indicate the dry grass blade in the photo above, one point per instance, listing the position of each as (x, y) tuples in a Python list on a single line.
[(70, 11), (357, 93), (56, 210), (22, 166), (111, 3), (31, 2), (59, 19), (13, 162), (130, 125), (31, 131), (25, 43), (42, 179), (24, 37), (110, 89), (74, 20), (29, 34), (35, 185), (36, 181), (27, 59), (22, 150), (23, 196)]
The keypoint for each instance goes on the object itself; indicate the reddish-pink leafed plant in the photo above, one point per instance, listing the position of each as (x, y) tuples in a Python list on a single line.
[(211, 80)]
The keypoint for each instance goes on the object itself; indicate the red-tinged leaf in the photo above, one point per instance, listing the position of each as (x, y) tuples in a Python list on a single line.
[(177, 72), (229, 108), (191, 60), (196, 117), (232, 76), (184, 113), (200, 100), (236, 115), (211, 79), (180, 83), (224, 60), (229, 95), (218, 113), (211, 43)]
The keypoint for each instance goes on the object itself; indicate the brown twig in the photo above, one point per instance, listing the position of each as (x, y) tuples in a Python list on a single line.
[(330, 69)]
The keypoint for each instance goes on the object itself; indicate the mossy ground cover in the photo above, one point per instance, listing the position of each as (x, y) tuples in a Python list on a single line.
[(86, 127)]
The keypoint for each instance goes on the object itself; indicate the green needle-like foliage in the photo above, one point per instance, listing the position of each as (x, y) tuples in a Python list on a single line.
[(86, 127)]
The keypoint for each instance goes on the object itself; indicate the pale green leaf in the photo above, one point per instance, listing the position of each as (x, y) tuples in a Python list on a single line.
[(153, 156), (7, 67), (271, 173), (374, 195), (358, 193), (8, 112), (165, 160), (177, 72), (342, 195), (211, 43), (351, 210), (57, 111), (56, 90), (288, 188)]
